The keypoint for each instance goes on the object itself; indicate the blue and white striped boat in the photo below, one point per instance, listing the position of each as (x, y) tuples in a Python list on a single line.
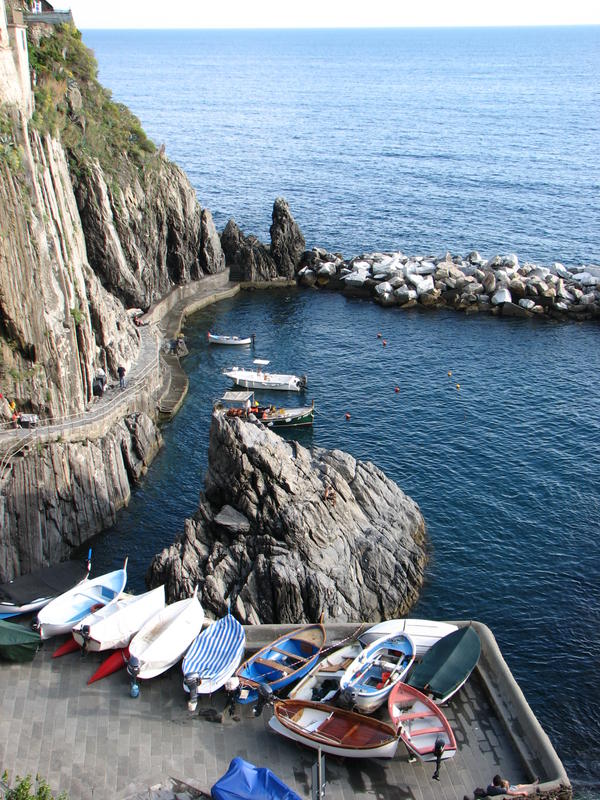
[(213, 657)]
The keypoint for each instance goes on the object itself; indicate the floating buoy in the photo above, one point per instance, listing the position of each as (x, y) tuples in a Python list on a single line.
[(449, 373), (458, 385), (396, 389), (384, 342), (347, 415), (379, 336)]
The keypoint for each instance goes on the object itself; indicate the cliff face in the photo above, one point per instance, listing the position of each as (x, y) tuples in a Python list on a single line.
[(284, 534), (93, 220)]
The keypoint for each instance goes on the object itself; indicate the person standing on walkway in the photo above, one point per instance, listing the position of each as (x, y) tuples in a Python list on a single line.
[(121, 374)]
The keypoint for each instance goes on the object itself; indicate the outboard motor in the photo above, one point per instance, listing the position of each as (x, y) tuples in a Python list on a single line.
[(85, 633), (133, 670), (347, 698), (231, 688), (192, 682), (438, 749), (302, 383), (265, 696)]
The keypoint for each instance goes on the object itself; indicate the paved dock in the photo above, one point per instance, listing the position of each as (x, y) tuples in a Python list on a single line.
[(97, 742)]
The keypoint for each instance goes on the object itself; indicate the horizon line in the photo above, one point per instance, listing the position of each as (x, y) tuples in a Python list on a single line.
[(355, 27)]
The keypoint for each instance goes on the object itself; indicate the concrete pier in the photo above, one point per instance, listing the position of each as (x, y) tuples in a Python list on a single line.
[(96, 742)]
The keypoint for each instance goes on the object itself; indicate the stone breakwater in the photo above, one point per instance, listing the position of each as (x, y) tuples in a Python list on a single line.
[(500, 285)]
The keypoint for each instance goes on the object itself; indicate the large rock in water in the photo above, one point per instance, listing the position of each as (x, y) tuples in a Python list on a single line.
[(287, 241), (284, 534)]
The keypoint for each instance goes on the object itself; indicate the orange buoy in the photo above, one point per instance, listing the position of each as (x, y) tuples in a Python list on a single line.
[(396, 388), (384, 342), (347, 415)]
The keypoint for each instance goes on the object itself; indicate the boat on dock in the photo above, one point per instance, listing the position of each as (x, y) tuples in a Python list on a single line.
[(421, 724), (322, 684), (164, 639), (369, 679), (18, 643), (114, 626), (260, 379), (243, 404), (216, 338), (29, 593), (281, 663), (213, 657), (447, 665), (64, 612), (424, 632), (334, 730)]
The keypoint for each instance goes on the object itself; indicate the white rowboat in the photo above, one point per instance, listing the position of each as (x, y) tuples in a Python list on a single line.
[(65, 611), (424, 632), (322, 683), (372, 675), (114, 626), (420, 723), (163, 640), (259, 379), (215, 338)]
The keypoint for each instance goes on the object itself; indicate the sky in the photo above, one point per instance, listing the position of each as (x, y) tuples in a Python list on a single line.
[(328, 13)]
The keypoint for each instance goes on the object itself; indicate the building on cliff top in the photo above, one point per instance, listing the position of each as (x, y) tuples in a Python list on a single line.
[(15, 83), (44, 13)]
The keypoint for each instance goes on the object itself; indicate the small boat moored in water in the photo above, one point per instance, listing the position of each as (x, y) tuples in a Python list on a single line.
[(65, 611), (421, 725), (31, 592), (213, 657), (164, 639), (447, 665), (18, 643), (369, 679), (280, 663), (215, 338), (243, 404), (334, 730), (259, 379), (113, 626)]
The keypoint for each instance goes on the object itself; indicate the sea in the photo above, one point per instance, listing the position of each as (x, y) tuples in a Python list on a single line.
[(424, 141)]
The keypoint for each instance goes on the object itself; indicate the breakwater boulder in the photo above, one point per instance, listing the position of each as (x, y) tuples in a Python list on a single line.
[(500, 285), (285, 534)]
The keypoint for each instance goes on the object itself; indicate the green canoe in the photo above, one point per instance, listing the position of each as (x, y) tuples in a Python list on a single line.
[(18, 643), (447, 665)]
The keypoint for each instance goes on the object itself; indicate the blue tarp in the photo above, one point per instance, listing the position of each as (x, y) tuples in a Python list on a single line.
[(244, 781)]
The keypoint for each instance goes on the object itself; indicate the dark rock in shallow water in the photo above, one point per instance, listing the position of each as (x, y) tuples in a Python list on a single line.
[(326, 533)]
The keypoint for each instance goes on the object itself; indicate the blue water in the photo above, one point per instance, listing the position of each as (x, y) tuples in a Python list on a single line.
[(422, 141)]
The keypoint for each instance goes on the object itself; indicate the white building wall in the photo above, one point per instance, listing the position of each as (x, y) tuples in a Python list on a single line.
[(15, 83)]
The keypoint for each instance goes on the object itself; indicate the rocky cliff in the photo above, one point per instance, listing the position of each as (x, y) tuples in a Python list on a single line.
[(94, 219), (285, 534)]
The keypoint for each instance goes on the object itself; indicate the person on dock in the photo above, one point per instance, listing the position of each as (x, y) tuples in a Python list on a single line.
[(500, 786), (121, 374)]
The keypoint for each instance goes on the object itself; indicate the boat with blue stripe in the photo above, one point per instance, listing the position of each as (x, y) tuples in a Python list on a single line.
[(282, 662), (213, 657), (369, 679)]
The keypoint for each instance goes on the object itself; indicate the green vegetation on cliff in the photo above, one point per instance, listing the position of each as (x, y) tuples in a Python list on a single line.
[(70, 103)]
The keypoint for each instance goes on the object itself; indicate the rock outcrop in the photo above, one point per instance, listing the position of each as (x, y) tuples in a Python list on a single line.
[(57, 496), (250, 260), (284, 534)]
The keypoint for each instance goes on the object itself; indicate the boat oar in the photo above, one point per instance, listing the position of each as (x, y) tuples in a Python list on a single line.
[(70, 646), (113, 663)]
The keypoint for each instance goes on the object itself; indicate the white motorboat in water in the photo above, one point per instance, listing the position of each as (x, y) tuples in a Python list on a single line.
[(216, 338), (260, 379)]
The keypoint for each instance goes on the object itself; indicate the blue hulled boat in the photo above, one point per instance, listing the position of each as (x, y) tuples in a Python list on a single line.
[(282, 662)]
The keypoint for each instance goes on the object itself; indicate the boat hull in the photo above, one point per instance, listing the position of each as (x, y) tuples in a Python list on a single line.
[(214, 656), (446, 667), (64, 612), (166, 636), (18, 644), (249, 379), (420, 723), (288, 417), (424, 633), (214, 338), (29, 593), (333, 730), (322, 683), (280, 663), (381, 665)]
